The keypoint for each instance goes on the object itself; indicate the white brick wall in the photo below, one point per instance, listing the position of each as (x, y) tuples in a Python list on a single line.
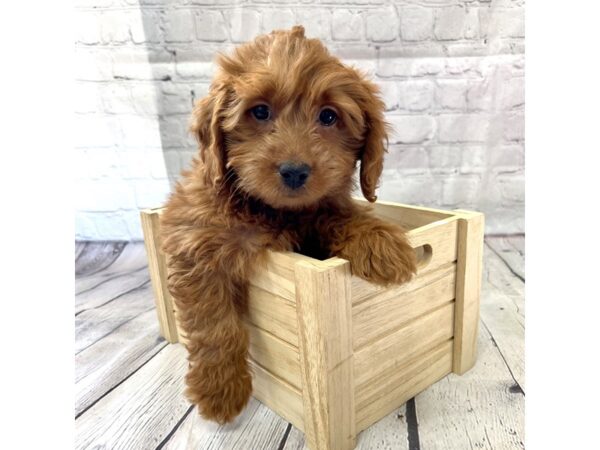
[(451, 72)]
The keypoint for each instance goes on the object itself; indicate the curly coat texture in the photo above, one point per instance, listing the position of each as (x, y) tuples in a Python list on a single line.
[(233, 205)]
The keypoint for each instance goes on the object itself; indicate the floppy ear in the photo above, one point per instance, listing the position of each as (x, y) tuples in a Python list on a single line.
[(372, 153), (206, 126)]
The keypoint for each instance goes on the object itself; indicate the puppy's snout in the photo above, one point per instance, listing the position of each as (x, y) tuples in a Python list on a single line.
[(294, 175)]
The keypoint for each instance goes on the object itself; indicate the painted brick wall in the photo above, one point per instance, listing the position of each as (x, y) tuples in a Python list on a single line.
[(451, 72)]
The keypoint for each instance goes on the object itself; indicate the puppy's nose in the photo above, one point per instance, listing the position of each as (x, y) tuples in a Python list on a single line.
[(294, 175)]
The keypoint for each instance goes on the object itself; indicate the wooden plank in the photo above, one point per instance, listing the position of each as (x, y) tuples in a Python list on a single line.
[(392, 308), (479, 409), (110, 360), (275, 355), (110, 290), (468, 289), (277, 276), (503, 312), (404, 383), (511, 249), (157, 265), (97, 256), (93, 324), (326, 354), (278, 395), (373, 364), (257, 427), (139, 413), (273, 314), (407, 216), (131, 259)]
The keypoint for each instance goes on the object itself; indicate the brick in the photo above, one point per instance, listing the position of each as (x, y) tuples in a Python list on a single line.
[(133, 223), (172, 165), (86, 97), (316, 22), (93, 64), (463, 127), (176, 98), (513, 95), (174, 132), (455, 22), (347, 25), (444, 159), (210, 26), (150, 194), (87, 27), (186, 158), (452, 94), (502, 22), (85, 228), (426, 66), (415, 189), (411, 129), (139, 132), (112, 227), (244, 24), (138, 64), (114, 26), (514, 127), (506, 157), (103, 163), (195, 70), (179, 25), (382, 25), (512, 188), (95, 130), (389, 93), (104, 196), (117, 99), (416, 95), (461, 190), (146, 28), (136, 164), (480, 94), (416, 23), (393, 66), (145, 98), (413, 159), (277, 19)]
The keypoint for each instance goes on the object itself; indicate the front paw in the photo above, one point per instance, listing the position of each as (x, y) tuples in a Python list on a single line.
[(382, 257)]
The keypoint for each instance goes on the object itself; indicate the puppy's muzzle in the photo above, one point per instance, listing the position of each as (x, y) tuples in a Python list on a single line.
[(294, 175)]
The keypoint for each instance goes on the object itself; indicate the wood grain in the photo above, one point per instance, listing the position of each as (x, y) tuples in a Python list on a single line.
[(326, 354), (273, 314), (468, 289), (393, 307)]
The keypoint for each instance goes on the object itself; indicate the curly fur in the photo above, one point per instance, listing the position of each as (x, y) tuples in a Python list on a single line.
[(232, 206)]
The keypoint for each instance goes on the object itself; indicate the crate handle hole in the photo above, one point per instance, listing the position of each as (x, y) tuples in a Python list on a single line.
[(424, 254)]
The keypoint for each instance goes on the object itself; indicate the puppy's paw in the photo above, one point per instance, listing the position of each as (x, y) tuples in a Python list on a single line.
[(220, 392), (382, 257)]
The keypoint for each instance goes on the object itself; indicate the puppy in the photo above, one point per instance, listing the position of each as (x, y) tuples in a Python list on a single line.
[(280, 135)]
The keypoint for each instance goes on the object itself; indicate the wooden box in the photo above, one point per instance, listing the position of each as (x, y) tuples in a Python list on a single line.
[(332, 353)]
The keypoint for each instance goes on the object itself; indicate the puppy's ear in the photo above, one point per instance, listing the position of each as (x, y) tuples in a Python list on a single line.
[(376, 138), (206, 125)]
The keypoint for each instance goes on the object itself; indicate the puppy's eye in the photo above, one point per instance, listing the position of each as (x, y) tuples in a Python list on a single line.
[(261, 112), (327, 117)]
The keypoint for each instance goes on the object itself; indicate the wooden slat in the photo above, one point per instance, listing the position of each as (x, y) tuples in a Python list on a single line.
[(408, 216), (277, 277), (404, 383), (394, 307), (97, 256), (96, 323), (257, 427), (273, 314), (165, 308), (278, 395), (275, 355), (110, 360), (139, 413), (468, 289), (374, 362), (325, 338)]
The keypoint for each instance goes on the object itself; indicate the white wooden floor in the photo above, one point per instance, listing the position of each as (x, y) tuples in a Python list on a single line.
[(129, 381)]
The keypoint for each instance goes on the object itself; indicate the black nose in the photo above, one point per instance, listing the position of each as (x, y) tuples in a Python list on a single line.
[(294, 175)]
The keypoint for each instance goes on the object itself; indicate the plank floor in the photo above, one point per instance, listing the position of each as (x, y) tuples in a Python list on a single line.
[(129, 380)]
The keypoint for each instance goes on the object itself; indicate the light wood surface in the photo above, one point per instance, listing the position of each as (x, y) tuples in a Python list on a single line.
[(165, 308), (326, 354), (273, 314), (468, 289), (481, 409)]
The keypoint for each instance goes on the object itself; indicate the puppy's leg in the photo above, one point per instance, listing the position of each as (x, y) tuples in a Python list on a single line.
[(378, 251), (208, 280)]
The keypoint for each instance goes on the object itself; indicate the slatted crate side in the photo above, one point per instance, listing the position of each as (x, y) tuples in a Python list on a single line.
[(278, 395), (374, 362), (392, 308), (402, 384)]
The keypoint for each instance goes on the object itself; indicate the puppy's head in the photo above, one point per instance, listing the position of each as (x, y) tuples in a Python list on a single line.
[(286, 122)]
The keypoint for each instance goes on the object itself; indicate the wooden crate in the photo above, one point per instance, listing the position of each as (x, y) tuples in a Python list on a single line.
[(332, 353)]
